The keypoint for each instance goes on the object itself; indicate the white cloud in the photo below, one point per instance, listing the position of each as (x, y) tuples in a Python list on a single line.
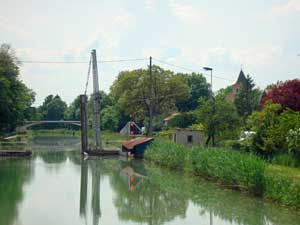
[(150, 4), (292, 6), (7, 26), (154, 52), (187, 13), (257, 55), (125, 20)]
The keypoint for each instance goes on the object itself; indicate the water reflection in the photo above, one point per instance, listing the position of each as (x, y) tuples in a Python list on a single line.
[(95, 190), (114, 191), (140, 200), (14, 174)]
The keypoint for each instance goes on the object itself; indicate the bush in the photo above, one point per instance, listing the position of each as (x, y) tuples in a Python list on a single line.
[(293, 140), (166, 133), (197, 126), (282, 185), (272, 129)]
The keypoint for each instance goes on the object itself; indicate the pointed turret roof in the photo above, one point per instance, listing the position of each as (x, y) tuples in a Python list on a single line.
[(241, 78)]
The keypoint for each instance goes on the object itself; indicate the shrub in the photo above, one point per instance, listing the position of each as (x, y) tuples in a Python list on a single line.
[(166, 133), (197, 126), (272, 128), (293, 140)]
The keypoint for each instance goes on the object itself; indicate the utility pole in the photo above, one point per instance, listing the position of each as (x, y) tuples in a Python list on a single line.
[(96, 98), (150, 131)]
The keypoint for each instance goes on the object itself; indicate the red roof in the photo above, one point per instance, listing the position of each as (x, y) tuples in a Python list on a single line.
[(130, 144)]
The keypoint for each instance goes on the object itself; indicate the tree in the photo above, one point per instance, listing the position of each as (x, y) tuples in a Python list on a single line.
[(219, 118), (198, 87), (287, 94), (247, 98), (73, 110), (182, 120), (272, 128), (53, 108), (131, 91), (15, 97), (110, 117)]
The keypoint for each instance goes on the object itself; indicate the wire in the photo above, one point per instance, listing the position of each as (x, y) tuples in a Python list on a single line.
[(188, 69), (88, 76), (122, 60), (52, 62), (80, 62)]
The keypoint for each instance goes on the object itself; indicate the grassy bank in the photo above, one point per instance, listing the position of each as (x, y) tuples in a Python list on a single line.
[(283, 185), (233, 169)]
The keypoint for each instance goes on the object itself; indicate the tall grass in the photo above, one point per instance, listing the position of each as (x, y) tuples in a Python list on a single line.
[(233, 168), (241, 170), (283, 185), (167, 154)]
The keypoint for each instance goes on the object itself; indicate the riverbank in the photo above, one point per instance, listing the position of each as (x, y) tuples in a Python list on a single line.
[(233, 169)]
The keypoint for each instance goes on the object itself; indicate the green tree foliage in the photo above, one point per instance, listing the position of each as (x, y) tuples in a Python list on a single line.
[(110, 117), (198, 87), (131, 92), (219, 118), (272, 128), (15, 97), (247, 99), (73, 110), (183, 120), (53, 108)]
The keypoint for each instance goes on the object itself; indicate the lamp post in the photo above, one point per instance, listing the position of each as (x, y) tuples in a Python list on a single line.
[(209, 69), (214, 106)]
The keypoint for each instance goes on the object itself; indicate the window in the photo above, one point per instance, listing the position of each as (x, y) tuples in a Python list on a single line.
[(190, 138)]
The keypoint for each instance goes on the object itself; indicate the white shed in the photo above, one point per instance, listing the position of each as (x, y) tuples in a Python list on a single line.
[(188, 137)]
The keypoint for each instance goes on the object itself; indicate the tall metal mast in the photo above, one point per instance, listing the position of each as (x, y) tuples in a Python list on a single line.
[(96, 96)]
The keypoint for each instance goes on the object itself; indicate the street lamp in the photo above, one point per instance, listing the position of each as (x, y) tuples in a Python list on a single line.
[(209, 69), (214, 105)]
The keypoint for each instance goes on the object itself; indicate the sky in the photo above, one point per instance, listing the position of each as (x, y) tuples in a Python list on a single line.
[(261, 37)]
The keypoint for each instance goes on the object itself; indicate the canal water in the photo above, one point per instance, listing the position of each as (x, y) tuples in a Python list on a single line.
[(63, 188)]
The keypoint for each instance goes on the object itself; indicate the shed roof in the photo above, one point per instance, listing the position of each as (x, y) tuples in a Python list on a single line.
[(171, 116), (130, 144), (186, 129)]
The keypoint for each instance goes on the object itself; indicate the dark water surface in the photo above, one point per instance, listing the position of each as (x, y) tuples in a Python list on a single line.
[(61, 187)]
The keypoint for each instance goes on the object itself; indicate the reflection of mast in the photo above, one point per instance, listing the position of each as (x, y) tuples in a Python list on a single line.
[(211, 222), (96, 194), (83, 188)]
